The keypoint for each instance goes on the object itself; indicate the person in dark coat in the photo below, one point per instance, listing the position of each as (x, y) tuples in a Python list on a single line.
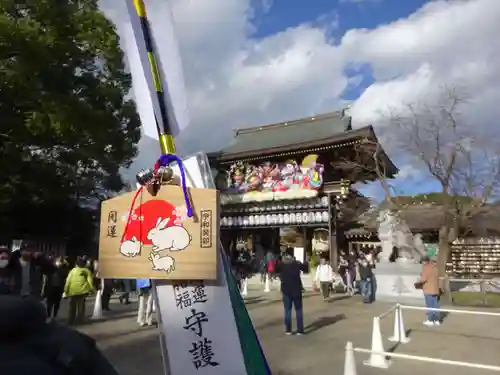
[(366, 275), (30, 345), (290, 270), (6, 275), (28, 267), (54, 287)]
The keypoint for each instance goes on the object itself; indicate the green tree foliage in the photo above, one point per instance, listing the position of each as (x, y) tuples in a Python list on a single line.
[(67, 125)]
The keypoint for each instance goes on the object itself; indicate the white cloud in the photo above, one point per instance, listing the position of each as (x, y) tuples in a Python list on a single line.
[(234, 79)]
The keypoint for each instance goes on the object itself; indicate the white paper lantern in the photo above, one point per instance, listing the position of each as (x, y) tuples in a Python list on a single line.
[(324, 201), (298, 206), (274, 219), (273, 207), (291, 206), (305, 217), (324, 216), (280, 219), (262, 219), (239, 220), (317, 203), (317, 217), (286, 218), (251, 220), (292, 219), (245, 221), (223, 222), (298, 218), (230, 221), (268, 220)]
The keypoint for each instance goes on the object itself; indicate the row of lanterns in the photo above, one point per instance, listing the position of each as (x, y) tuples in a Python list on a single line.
[(281, 206), (276, 219)]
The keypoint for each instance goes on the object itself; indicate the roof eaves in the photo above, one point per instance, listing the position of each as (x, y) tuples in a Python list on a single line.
[(347, 137), (286, 124)]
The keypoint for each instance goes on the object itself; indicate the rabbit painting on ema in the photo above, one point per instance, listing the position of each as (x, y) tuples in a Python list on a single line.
[(155, 238)]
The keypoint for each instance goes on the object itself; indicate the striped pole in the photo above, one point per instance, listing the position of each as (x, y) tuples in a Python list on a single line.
[(167, 142)]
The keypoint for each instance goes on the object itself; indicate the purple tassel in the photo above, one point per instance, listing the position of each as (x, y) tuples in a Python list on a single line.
[(164, 161)]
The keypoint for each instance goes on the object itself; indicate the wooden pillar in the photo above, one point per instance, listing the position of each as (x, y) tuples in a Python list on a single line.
[(305, 244), (350, 246), (332, 233)]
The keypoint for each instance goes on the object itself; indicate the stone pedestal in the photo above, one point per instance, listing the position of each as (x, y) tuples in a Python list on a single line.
[(395, 282)]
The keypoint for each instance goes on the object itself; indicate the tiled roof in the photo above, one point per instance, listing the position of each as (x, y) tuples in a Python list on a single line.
[(288, 134)]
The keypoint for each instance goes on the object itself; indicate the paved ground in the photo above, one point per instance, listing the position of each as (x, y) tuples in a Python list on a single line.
[(135, 350)]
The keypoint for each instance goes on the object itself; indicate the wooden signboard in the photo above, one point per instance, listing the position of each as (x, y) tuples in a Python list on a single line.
[(160, 241)]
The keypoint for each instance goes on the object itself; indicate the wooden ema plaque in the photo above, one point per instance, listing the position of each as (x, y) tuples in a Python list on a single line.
[(161, 241)]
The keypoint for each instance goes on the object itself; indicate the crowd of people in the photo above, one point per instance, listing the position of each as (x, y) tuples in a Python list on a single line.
[(32, 342), (354, 274), (50, 279), (28, 273)]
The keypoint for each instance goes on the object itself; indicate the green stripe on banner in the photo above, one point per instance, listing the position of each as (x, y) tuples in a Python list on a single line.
[(255, 360)]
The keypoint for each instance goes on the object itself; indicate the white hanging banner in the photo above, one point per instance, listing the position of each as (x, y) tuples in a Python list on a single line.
[(167, 67), (197, 321)]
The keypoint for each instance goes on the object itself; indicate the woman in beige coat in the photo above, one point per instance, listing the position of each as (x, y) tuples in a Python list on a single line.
[(429, 283)]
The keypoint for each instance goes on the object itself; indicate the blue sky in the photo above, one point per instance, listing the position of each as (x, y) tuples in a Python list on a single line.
[(346, 15), (340, 16), (349, 14)]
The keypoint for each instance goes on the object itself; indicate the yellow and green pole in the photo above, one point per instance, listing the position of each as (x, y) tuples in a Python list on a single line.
[(166, 139)]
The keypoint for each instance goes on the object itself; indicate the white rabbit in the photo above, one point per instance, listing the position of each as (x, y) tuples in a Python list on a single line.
[(173, 238), (165, 263), (131, 248)]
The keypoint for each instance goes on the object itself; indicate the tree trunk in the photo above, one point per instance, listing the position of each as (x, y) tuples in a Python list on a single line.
[(443, 256)]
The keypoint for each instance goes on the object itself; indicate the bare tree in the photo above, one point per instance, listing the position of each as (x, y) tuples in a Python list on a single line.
[(460, 155)]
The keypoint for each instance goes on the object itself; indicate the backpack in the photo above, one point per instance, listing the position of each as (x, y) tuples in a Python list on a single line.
[(53, 350)]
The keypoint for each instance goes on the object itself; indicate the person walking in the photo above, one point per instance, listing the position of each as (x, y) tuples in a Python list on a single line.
[(371, 258), (53, 287), (107, 291), (289, 270), (366, 276), (79, 284), (324, 276), (145, 310), (429, 283), (127, 289)]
